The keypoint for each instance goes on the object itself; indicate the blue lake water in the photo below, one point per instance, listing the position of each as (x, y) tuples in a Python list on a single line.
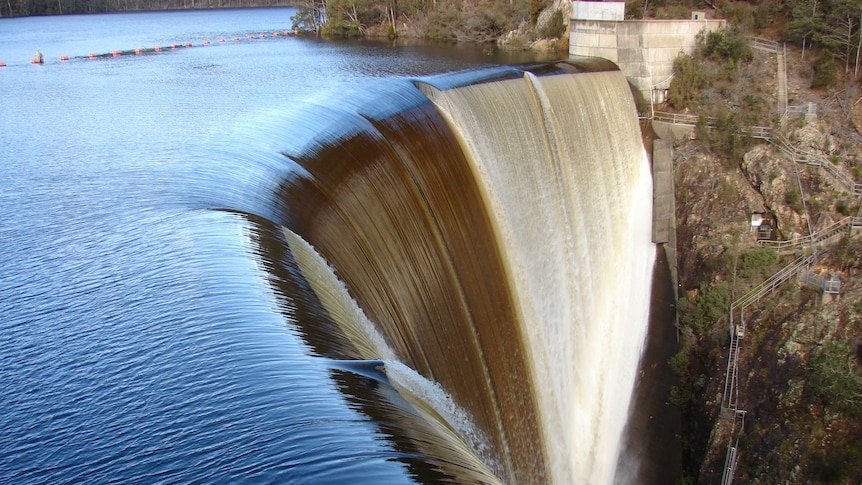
[(142, 340)]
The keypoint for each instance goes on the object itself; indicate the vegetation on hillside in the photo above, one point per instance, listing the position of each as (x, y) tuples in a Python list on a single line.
[(801, 359), (448, 20), (827, 26)]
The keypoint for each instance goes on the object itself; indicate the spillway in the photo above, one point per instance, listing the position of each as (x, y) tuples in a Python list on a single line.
[(485, 237)]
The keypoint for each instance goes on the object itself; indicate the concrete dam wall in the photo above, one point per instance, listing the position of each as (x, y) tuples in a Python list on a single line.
[(643, 49)]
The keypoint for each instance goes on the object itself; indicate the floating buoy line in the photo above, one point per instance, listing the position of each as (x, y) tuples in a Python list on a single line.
[(137, 51)]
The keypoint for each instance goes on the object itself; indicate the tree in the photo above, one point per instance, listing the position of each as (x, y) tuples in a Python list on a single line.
[(831, 24), (843, 28), (310, 14), (807, 22), (685, 83)]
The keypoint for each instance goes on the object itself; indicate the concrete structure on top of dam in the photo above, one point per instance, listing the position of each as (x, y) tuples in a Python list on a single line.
[(643, 49)]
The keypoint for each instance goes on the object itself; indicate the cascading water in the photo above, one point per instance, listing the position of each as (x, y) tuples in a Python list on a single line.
[(355, 269), (499, 241), (565, 175)]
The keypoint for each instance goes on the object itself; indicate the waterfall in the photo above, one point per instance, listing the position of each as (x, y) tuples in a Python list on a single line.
[(498, 238)]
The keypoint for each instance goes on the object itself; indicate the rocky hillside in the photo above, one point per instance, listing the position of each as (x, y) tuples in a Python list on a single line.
[(800, 367)]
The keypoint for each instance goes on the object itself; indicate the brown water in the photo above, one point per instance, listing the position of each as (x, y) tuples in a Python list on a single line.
[(492, 248), (165, 318)]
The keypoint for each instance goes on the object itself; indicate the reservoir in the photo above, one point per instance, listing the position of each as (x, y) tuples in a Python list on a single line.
[(284, 259)]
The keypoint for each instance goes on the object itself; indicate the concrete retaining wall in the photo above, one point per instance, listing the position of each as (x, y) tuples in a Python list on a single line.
[(599, 10), (644, 49)]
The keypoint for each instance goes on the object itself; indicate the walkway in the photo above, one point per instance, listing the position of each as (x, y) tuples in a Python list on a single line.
[(837, 175), (802, 265), (781, 69), (824, 236), (732, 419)]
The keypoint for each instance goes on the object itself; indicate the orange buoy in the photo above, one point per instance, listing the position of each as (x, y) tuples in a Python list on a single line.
[(275, 34), (206, 41), (286, 33), (158, 48), (115, 53), (64, 58), (261, 35), (295, 31), (2, 64), (188, 44), (249, 36), (138, 50), (236, 37), (221, 39), (91, 55), (173, 46)]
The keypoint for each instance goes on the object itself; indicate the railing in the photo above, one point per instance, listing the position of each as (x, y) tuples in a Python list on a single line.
[(764, 44), (756, 293), (730, 399), (736, 428), (814, 280), (799, 243), (731, 389), (782, 81), (737, 333), (801, 109), (762, 132), (832, 286), (843, 179), (679, 119)]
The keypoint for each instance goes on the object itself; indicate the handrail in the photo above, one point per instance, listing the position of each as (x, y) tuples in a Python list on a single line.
[(763, 132), (732, 457), (782, 93), (764, 44), (814, 159), (803, 241), (679, 118), (772, 282)]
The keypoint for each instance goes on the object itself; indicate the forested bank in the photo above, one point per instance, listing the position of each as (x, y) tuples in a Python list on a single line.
[(24, 8), (446, 20)]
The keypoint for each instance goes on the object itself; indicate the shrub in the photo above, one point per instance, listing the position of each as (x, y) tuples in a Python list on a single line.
[(710, 306), (727, 45), (757, 262), (686, 82), (554, 27), (726, 140), (739, 14), (825, 71), (536, 7), (443, 24), (679, 362), (836, 378), (634, 10), (793, 199)]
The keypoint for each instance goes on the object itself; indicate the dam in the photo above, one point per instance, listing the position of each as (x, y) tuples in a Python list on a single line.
[(497, 233), (643, 49), (373, 264)]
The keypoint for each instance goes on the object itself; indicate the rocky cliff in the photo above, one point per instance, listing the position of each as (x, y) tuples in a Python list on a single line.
[(800, 363)]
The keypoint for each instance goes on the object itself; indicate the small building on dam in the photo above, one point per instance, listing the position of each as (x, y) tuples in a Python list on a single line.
[(643, 49)]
